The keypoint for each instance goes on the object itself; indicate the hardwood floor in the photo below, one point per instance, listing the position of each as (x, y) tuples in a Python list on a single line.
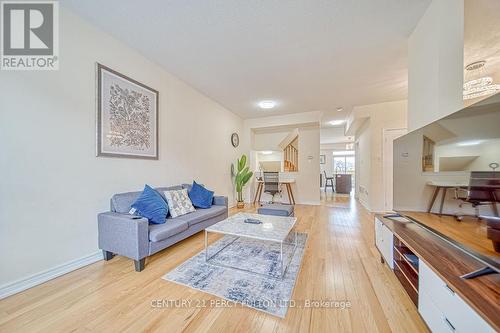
[(340, 263)]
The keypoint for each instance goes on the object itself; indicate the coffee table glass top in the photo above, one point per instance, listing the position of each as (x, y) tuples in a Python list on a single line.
[(272, 228)]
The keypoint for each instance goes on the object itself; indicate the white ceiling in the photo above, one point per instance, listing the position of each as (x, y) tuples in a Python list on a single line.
[(482, 37), (331, 135), (308, 55)]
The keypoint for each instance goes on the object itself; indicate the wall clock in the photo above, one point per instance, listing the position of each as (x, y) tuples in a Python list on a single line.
[(235, 140)]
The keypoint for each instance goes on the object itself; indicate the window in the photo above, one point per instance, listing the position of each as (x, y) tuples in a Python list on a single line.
[(343, 164)]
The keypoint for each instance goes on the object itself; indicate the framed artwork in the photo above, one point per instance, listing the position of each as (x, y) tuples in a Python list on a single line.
[(322, 159), (127, 116)]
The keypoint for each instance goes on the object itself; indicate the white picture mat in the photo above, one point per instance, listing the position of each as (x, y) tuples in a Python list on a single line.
[(107, 80)]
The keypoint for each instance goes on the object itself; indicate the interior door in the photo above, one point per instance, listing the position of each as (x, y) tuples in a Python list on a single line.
[(389, 136)]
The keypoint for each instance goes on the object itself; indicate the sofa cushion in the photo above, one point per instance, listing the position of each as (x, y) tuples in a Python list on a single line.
[(121, 202), (159, 232), (200, 196), (151, 205), (189, 186), (201, 215)]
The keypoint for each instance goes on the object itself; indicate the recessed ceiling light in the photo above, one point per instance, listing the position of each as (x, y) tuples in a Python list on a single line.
[(267, 104), (340, 109), (266, 152), (336, 122)]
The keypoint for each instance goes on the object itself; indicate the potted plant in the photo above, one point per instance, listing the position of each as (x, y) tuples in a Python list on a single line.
[(242, 177)]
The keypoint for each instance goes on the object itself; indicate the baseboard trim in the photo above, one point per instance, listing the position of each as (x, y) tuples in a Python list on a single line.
[(364, 204), (39, 278), (310, 203)]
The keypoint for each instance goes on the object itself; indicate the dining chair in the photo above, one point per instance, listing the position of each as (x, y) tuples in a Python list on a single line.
[(328, 181)]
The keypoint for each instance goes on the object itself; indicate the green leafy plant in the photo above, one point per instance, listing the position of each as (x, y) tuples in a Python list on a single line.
[(242, 176)]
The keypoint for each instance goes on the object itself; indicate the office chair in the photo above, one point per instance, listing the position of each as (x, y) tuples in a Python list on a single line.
[(328, 179), (271, 183), (483, 189)]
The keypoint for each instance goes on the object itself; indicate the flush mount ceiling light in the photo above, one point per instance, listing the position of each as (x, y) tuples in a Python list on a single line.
[(340, 109), (266, 152), (267, 104), (336, 122), (477, 83)]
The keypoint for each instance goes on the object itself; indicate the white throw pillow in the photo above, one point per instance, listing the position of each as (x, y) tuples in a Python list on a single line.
[(178, 202)]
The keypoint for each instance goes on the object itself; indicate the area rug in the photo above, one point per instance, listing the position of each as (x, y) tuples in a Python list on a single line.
[(258, 291)]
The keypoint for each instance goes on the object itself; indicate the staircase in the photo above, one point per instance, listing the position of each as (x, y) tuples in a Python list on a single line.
[(291, 156)]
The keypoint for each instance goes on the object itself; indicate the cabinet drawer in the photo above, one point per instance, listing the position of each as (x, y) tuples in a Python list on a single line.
[(454, 308), (432, 316)]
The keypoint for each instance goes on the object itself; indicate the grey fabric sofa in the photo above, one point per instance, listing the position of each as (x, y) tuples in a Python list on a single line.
[(133, 237)]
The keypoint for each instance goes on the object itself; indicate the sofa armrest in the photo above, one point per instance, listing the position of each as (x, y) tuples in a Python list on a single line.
[(220, 201), (123, 235)]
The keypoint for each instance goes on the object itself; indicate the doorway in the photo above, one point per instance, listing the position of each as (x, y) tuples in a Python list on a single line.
[(387, 156)]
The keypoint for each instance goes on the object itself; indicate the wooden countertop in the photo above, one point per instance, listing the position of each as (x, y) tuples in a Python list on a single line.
[(482, 293)]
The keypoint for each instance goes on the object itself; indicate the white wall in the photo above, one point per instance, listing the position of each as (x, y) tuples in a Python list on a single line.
[(52, 183), (269, 141), (363, 165), (328, 165), (273, 160), (306, 186), (435, 63), (389, 115)]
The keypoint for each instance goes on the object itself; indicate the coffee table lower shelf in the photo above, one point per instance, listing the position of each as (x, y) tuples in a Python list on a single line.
[(283, 268)]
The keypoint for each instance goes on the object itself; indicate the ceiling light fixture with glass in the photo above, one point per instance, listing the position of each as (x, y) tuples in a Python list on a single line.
[(477, 83)]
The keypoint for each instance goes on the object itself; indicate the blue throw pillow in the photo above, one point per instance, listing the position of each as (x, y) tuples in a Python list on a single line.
[(200, 196), (151, 205)]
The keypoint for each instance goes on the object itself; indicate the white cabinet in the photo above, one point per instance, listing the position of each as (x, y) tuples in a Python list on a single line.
[(384, 240), (433, 317), (442, 309)]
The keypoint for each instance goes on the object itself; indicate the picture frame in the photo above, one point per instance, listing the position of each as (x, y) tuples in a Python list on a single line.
[(127, 118), (322, 159)]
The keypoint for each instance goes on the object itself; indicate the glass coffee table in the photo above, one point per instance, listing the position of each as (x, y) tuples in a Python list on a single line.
[(273, 229)]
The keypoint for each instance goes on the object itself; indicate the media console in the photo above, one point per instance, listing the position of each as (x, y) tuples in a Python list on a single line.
[(431, 271)]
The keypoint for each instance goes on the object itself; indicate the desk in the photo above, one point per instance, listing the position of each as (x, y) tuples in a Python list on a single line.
[(438, 185), (288, 184)]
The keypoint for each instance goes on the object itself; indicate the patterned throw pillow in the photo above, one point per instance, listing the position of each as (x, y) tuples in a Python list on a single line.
[(179, 202)]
